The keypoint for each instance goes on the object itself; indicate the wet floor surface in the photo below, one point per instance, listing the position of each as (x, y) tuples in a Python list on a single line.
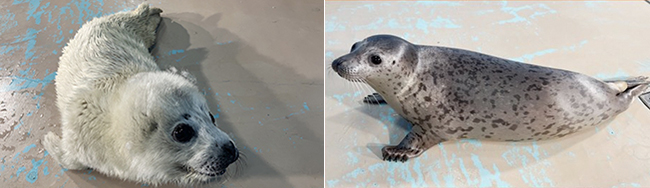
[(258, 64), (601, 39)]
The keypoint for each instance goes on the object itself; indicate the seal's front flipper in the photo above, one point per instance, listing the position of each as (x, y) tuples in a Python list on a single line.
[(52, 144), (375, 98), (414, 144)]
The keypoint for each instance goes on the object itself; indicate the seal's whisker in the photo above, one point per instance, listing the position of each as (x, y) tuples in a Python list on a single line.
[(355, 84), (361, 90), (348, 85), (364, 92), (367, 86), (371, 95), (241, 163), (329, 70)]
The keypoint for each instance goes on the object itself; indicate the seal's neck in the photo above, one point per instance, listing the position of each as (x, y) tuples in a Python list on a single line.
[(401, 76), (127, 104), (393, 90), (396, 85)]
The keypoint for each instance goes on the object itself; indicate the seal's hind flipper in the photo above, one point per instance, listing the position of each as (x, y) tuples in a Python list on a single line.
[(375, 98), (636, 85), (634, 88), (625, 84), (645, 98), (639, 80), (53, 144), (630, 87), (144, 21)]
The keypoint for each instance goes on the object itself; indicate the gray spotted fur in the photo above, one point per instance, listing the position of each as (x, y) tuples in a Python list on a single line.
[(450, 94)]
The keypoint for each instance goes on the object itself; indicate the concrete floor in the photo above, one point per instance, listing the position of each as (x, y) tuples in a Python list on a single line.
[(258, 63), (602, 39)]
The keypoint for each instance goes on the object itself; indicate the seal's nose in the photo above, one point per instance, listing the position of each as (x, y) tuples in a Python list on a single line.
[(336, 64), (230, 152)]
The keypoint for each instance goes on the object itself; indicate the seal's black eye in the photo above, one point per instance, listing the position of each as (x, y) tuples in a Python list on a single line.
[(212, 117), (183, 133), (375, 59)]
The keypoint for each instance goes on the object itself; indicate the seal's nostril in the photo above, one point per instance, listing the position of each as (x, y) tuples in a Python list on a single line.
[(336, 64), (229, 148), (230, 152)]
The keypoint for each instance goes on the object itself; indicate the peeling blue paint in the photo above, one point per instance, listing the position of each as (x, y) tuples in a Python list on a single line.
[(438, 3), (45, 171), (224, 43), (340, 97), (20, 83), (487, 177), (173, 52), (352, 159), (20, 123), (32, 175), (7, 22), (620, 73), (439, 22), (20, 170), (332, 25), (532, 174), (332, 183), (514, 11), (528, 57), (29, 147)]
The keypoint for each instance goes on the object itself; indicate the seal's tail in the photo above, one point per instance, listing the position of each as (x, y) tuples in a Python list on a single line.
[(629, 88)]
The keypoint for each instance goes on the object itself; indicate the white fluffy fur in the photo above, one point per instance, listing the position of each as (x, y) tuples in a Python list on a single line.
[(118, 108)]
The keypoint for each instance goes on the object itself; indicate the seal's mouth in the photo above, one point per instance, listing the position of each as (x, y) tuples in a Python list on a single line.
[(339, 68), (214, 166), (191, 170), (351, 76), (348, 74), (346, 71)]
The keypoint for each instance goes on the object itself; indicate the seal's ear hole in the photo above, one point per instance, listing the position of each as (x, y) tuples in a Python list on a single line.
[(375, 59), (183, 133), (354, 46), (212, 117)]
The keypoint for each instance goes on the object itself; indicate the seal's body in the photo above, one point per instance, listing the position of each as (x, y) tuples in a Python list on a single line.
[(451, 94), (123, 116)]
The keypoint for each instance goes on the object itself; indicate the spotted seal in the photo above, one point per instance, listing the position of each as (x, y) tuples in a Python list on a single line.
[(448, 94)]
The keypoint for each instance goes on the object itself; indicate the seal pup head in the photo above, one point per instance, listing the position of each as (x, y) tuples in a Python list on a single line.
[(377, 59), (169, 133)]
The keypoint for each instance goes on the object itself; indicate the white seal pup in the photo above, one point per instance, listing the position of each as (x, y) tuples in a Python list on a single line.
[(122, 116), (449, 94)]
